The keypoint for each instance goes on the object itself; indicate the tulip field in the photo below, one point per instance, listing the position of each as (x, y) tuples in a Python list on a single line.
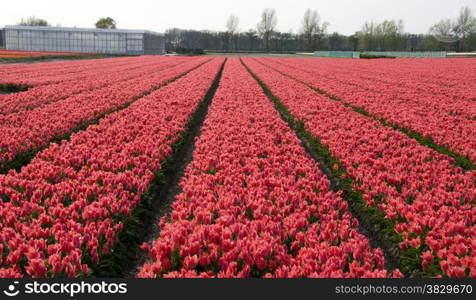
[(25, 54), (238, 167), (15, 55)]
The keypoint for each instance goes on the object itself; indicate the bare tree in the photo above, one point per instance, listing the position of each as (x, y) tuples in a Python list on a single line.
[(366, 36), (443, 31), (267, 25), (466, 23), (464, 26), (385, 36), (389, 34), (312, 28), (456, 32), (174, 38), (232, 24), (232, 29)]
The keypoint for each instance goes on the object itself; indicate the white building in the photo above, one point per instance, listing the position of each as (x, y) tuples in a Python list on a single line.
[(61, 39)]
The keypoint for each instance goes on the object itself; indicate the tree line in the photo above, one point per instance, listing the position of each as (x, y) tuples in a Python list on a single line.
[(447, 35), (389, 35)]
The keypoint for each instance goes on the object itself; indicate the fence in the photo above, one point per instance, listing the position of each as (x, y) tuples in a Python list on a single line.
[(354, 54), (434, 54), (337, 54)]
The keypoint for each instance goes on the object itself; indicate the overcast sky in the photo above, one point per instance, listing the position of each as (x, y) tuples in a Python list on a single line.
[(345, 16)]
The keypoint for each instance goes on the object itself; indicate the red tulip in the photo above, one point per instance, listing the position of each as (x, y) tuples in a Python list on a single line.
[(36, 268), (431, 199), (256, 210), (71, 195)]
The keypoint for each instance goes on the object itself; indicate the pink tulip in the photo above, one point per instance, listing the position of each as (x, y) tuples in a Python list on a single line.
[(252, 211), (70, 196), (431, 199)]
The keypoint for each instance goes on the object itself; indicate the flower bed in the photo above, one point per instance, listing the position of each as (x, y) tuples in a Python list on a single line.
[(72, 84), (451, 125), (421, 203), (254, 204), (27, 131), (65, 210)]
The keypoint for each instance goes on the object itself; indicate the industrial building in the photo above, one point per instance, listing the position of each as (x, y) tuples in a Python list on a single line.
[(61, 39)]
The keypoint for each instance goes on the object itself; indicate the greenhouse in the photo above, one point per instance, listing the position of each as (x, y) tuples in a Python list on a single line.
[(2, 38), (61, 39)]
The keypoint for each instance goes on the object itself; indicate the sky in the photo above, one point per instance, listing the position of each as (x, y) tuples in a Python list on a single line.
[(344, 16)]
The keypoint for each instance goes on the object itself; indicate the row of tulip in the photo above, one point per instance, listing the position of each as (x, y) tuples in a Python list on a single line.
[(452, 131), (398, 85), (453, 78), (394, 85), (450, 77), (424, 204), (29, 54), (65, 209), (33, 53), (45, 67), (12, 55), (254, 204), (27, 131), (92, 80), (54, 72)]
